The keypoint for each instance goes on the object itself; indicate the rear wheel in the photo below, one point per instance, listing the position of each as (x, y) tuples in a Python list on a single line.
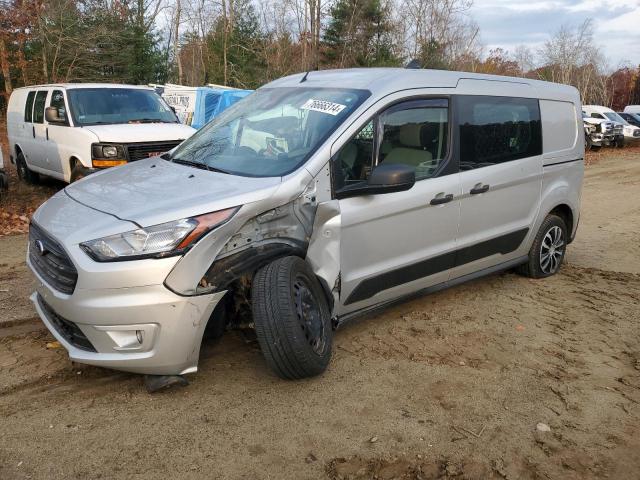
[(24, 173), (292, 319), (548, 250)]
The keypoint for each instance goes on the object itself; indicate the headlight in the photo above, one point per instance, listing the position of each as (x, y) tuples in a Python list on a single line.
[(110, 151), (164, 240), (107, 155)]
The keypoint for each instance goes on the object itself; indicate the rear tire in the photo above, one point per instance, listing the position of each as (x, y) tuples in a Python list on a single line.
[(24, 173), (548, 250), (292, 319)]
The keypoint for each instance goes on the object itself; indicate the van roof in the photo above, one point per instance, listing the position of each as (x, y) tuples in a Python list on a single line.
[(381, 80), (69, 86)]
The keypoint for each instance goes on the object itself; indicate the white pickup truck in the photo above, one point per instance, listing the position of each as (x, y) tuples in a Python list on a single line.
[(625, 132), (597, 132)]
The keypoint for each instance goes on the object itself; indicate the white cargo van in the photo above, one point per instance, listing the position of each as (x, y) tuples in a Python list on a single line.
[(67, 131)]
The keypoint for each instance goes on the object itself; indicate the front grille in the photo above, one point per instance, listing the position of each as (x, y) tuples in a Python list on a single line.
[(67, 329), (618, 129), (606, 128), (140, 151), (51, 261)]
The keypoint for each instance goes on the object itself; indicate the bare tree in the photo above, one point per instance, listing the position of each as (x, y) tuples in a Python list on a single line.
[(571, 56)]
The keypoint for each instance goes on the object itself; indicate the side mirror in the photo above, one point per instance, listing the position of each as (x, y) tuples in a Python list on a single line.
[(52, 114), (383, 179)]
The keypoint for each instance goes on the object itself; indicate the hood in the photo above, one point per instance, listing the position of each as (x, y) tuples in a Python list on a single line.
[(594, 121), (153, 191), (141, 132)]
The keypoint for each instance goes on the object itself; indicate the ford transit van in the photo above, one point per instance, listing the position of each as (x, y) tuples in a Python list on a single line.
[(318, 198)]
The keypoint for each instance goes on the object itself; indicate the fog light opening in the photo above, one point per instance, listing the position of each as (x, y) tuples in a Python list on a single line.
[(139, 336)]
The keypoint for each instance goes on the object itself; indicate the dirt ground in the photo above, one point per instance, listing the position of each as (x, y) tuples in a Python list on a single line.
[(451, 385)]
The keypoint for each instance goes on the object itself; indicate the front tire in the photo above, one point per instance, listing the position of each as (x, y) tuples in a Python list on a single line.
[(292, 319), (548, 250), (78, 172)]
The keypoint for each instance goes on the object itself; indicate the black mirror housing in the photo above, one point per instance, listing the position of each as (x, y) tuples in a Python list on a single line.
[(383, 179), (392, 175)]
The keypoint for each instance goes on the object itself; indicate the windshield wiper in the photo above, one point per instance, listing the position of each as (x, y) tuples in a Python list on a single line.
[(148, 120), (190, 163)]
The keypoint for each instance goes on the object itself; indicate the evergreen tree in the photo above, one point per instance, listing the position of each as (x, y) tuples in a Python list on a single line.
[(359, 35)]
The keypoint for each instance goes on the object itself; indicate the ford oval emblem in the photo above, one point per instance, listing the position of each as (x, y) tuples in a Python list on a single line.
[(40, 248)]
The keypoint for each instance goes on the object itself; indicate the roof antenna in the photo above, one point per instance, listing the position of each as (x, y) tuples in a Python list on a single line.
[(304, 79), (414, 64)]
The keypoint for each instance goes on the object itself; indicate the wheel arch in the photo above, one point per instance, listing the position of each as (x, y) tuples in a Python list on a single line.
[(564, 211)]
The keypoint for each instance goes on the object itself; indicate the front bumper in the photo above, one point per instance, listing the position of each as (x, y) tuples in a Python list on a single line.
[(146, 329)]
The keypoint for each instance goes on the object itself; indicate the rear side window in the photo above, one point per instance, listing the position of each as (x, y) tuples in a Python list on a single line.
[(38, 106), (28, 108), (498, 129)]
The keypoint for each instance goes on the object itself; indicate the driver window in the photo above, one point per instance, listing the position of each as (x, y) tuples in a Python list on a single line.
[(416, 137), (57, 100), (352, 164)]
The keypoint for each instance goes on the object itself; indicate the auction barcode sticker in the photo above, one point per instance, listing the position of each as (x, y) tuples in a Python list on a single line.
[(323, 106)]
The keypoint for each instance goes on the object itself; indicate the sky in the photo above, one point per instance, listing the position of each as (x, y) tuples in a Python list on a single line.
[(509, 23)]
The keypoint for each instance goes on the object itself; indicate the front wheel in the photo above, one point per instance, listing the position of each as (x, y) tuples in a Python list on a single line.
[(78, 172), (292, 319), (548, 250)]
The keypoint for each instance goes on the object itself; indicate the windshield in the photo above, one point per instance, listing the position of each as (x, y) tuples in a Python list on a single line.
[(615, 117), (271, 132), (96, 106)]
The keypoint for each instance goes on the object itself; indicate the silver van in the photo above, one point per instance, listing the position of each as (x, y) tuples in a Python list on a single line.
[(319, 197)]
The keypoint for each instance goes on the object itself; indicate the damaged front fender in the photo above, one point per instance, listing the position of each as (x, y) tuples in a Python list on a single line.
[(323, 253)]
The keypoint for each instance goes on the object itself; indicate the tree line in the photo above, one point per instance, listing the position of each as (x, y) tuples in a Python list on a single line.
[(246, 43)]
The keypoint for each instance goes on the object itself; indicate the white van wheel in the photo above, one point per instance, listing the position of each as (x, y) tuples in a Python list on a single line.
[(78, 172), (24, 173), (292, 319)]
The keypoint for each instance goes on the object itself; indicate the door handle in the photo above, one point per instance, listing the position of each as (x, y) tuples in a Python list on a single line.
[(46, 130), (441, 198), (33, 130), (479, 188)]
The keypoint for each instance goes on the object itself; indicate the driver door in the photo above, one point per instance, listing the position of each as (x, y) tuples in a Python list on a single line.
[(394, 244)]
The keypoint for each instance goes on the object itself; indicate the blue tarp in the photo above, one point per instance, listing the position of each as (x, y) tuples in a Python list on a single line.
[(210, 102)]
